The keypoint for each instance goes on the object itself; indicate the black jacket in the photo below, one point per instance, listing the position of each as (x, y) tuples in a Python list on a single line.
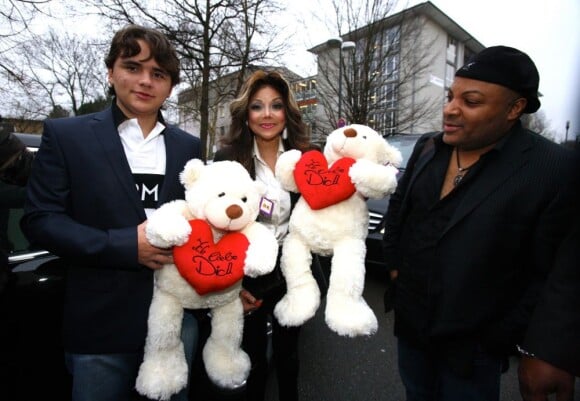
[(554, 330), (495, 252)]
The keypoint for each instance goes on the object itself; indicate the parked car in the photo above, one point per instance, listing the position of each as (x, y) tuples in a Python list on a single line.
[(31, 357), (378, 207)]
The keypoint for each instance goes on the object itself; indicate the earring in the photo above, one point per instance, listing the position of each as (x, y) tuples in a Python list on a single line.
[(285, 133)]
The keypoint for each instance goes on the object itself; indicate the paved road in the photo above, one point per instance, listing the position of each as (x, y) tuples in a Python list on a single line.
[(335, 368)]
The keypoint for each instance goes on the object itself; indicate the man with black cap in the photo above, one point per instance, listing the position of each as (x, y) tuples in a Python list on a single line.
[(472, 230)]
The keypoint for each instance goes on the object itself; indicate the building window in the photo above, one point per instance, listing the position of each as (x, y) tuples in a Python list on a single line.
[(467, 55), (392, 40), (451, 61), (451, 50), (391, 67)]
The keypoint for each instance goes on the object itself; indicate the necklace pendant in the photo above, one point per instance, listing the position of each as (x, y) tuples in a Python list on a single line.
[(457, 179)]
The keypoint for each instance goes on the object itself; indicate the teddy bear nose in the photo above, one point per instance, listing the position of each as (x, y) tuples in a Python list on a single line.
[(234, 211), (349, 132)]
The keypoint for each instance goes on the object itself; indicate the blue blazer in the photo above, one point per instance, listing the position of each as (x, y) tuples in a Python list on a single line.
[(82, 204)]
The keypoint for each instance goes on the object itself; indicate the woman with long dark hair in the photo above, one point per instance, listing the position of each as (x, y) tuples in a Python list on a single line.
[(266, 121)]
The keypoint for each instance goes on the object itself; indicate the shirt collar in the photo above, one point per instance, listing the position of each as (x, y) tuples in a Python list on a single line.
[(119, 117), (256, 151)]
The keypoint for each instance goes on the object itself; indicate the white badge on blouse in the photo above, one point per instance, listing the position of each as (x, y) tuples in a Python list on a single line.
[(266, 207)]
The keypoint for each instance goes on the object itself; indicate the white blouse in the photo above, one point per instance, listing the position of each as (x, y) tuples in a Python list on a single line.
[(280, 198)]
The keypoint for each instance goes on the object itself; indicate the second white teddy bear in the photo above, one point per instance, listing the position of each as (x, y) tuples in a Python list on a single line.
[(331, 218)]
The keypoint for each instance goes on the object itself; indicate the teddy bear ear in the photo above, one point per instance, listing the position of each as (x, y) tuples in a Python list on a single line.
[(191, 172)]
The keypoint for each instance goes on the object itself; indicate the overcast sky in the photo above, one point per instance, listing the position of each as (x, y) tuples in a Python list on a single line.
[(547, 30)]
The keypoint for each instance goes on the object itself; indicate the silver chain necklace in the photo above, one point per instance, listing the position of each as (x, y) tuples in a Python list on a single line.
[(461, 171)]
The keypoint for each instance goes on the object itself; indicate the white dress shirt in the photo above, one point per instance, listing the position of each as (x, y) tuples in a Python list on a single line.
[(146, 156)]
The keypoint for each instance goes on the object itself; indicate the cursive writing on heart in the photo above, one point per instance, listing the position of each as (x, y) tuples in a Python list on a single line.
[(319, 185), (208, 266)]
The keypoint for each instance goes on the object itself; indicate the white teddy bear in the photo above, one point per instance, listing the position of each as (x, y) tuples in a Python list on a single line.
[(216, 241), (331, 218)]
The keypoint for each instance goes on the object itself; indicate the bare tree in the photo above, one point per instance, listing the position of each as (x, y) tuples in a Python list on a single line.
[(380, 76), (15, 19), (213, 37), (16, 16), (53, 70), (538, 122)]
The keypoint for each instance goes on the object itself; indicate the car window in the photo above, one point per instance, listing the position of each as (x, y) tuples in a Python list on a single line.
[(11, 237), (12, 240), (405, 143)]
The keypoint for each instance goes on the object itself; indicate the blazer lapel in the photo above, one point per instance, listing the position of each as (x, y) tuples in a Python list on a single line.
[(510, 160), (107, 135), (173, 166)]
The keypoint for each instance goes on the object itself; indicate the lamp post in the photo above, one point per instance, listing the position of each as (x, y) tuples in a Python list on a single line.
[(342, 45), (567, 127)]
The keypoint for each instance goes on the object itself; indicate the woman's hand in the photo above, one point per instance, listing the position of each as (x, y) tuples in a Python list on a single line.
[(249, 302)]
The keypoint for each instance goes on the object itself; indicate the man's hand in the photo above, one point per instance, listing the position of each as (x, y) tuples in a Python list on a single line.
[(389, 295), (538, 379), (150, 256)]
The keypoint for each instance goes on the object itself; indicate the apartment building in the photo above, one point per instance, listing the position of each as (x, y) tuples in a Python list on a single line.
[(395, 72)]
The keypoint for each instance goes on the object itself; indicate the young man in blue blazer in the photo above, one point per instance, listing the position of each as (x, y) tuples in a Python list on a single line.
[(93, 183)]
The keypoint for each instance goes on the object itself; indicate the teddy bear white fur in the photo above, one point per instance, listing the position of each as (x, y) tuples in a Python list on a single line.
[(223, 195), (338, 229)]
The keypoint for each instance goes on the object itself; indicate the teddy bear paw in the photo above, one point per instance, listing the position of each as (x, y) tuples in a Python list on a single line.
[(350, 317), (298, 305), (162, 375), (226, 367), (173, 230)]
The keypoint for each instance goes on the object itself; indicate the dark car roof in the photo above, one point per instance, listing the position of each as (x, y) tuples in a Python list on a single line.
[(405, 143), (30, 140)]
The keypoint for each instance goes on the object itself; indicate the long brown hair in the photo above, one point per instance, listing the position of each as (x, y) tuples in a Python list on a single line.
[(239, 138)]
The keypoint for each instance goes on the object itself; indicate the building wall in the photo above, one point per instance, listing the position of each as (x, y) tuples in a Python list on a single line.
[(447, 53), (327, 79), (425, 38), (427, 88)]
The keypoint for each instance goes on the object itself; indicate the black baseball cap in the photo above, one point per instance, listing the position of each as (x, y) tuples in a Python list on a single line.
[(507, 67)]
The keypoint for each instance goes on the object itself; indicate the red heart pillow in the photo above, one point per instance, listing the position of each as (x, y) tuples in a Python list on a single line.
[(319, 185), (210, 267)]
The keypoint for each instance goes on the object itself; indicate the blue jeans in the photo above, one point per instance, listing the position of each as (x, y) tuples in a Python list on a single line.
[(111, 377), (427, 377)]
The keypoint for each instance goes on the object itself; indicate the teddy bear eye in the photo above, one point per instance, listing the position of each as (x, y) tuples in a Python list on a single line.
[(221, 194), (244, 199), (364, 137)]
